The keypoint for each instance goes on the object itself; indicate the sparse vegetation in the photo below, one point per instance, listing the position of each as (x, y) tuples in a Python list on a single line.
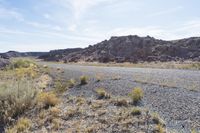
[(136, 111), (121, 102), (60, 86), (159, 129), (18, 89), (55, 112), (136, 95), (84, 80), (20, 63), (156, 119), (71, 83), (102, 94), (22, 125), (47, 99)]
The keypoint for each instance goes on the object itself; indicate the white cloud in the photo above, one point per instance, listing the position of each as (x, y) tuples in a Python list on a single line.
[(72, 27), (164, 12), (10, 14), (52, 35)]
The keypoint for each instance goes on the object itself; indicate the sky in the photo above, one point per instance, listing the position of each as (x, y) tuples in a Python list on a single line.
[(43, 25)]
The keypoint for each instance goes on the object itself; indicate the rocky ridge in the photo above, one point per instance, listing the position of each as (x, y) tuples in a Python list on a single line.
[(137, 49)]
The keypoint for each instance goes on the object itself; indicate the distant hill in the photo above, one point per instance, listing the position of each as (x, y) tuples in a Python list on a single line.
[(130, 48), (11, 54), (58, 55), (136, 49)]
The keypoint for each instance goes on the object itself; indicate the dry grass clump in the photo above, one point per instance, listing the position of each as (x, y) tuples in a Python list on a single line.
[(22, 125), (90, 129), (194, 131), (60, 86), (71, 83), (121, 102), (136, 95), (159, 129), (102, 94), (47, 99), (21, 63), (55, 112), (71, 112), (156, 119), (83, 80), (80, 100), (136, 111), (56, 124), (99, 77), (15, 98)]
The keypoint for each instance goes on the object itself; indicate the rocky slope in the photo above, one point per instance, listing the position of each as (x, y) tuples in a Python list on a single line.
[(57, 55), (135, 49), (3, 61)]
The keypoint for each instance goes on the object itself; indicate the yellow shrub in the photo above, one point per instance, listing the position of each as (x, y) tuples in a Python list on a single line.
[(84, 80), (136, 95), (48, 99)]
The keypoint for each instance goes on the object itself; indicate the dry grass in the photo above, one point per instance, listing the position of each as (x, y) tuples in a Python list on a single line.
[(136, 111), (102, 94), (71, 83), (60, 86), (47, 99), (156, 119), (55, 112), (121, 102), (18, 90), (136, 95), (22, 125), (83, 80)]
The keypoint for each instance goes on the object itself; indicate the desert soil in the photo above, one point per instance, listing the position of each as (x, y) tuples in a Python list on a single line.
[(174, 94)]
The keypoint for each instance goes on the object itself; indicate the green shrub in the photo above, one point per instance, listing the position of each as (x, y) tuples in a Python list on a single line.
[(136, 95), (84, 80)]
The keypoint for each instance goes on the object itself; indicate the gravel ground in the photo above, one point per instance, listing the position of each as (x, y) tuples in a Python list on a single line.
[(174, 94)]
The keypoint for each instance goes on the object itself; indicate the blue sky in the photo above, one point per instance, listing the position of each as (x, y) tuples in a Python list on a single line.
[(42, 25)]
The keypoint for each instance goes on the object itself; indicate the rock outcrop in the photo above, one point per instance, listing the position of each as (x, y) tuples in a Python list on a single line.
[(137, 49), (3, 62), (58, 55)]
